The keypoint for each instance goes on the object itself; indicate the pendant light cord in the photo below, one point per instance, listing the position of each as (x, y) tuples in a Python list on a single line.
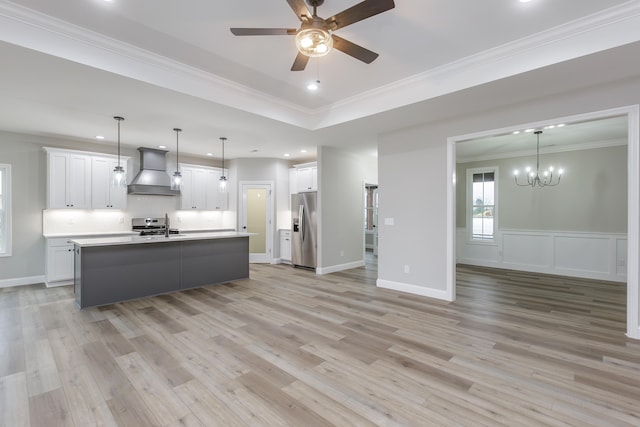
[(177, 130), (119, 119)]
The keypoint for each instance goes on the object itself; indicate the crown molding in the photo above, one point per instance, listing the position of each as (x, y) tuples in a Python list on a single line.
[(544, 150), (37, 31), (606, 29), (603, 30)]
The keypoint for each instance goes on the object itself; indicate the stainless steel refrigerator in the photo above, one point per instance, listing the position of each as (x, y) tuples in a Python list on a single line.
[(304, 229)]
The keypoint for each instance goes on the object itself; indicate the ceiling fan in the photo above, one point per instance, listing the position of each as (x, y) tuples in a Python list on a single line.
[(315, 36)]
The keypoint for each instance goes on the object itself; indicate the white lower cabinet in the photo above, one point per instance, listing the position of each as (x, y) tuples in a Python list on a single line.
[(285, 245), (59, 270)]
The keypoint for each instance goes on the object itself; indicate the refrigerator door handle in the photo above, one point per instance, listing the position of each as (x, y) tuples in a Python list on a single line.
[(301, 220)]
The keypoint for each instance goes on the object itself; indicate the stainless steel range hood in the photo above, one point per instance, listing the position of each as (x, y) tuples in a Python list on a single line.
[(152, 178)]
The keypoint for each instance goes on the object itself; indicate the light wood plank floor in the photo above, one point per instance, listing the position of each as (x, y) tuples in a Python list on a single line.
[(287, 348)]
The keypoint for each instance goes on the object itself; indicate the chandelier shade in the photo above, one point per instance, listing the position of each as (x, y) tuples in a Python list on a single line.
[(532, 178)]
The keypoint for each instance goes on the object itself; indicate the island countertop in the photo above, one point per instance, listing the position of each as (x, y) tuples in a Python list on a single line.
[(135, 240)]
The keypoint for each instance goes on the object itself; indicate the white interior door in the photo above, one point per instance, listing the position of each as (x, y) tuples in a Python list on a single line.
[(256, 219)]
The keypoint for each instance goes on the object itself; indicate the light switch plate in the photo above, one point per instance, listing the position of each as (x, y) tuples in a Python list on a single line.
[(388, 221)]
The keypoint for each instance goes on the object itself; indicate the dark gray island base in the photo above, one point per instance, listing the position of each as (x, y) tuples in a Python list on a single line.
[(120, 269)]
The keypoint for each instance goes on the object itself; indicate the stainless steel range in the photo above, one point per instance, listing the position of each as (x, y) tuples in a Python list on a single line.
[(152, 226)]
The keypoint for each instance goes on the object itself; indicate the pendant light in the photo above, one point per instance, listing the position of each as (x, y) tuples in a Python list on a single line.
[(177, 176), (119, 177), (222, 186)]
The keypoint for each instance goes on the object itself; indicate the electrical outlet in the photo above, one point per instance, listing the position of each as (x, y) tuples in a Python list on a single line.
[(406, 269), (179, 219), (121, 220), (341, 253)]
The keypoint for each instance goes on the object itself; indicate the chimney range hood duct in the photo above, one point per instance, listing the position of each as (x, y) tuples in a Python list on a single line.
[(153, 178)]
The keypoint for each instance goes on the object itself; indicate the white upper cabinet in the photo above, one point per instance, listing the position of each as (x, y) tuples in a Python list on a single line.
[(216, 201), (69, 180), (307, 178), (103, 194), (82, 180), (199, 188), (193, 187)]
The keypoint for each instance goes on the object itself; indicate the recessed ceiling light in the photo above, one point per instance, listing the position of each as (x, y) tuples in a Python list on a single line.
[(99, 137), (287, 154), (313, 86), (550, 127), (529, 130), (516, 132), (525, 1), (561, 125), (209, 154), (162, 146)]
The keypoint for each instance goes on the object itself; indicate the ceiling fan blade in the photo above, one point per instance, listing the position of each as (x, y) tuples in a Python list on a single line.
[(264, 31), (300, 62), (352, 49), (300, 9), (360, 11)]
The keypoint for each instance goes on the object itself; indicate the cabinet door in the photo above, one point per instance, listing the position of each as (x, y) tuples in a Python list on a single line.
[(307, 179), (216, 201), (79, 181), (100, 183), (59, 263), (304, 179), (199, 189), (57, 181), (117, 195), (285, 245), (186, 188), (103, 194)]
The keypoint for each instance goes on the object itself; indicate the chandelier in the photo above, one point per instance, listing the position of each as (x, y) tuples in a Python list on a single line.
[(533, 178)]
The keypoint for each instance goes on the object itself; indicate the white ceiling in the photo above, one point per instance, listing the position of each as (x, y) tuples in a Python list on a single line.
[(69, 67)]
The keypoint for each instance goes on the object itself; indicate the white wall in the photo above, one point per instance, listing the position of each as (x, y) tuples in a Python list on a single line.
[(28, 169), (341, 176), (414, 180)]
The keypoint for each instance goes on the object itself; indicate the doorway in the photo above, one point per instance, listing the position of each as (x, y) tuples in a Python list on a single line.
[(256, 209), (371, 224), (632, 114)]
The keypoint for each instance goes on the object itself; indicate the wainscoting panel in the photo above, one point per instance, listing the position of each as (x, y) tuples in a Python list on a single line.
[(587, 255), (584, 253), (534, 250)]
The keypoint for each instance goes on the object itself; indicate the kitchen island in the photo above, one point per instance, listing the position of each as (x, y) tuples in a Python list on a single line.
[(114, 269)]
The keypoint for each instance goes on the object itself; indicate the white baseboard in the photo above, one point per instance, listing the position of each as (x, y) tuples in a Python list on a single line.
[(21, 281), (440, 294), (634, 332), (60, 283), (340, 267)]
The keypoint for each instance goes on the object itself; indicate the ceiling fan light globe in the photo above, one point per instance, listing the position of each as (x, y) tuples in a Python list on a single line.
[(314, 42)]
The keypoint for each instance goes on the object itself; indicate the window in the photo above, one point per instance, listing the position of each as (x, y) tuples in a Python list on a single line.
[(5, 210), (482, 192)]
